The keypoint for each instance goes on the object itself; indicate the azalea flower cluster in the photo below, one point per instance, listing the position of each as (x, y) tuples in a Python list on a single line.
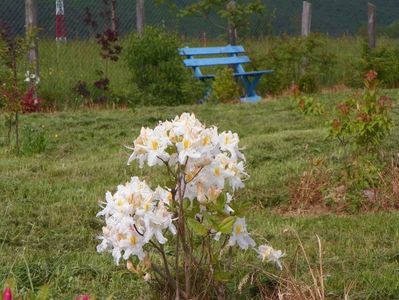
[(134, 215), (205, 163), (210, 159)]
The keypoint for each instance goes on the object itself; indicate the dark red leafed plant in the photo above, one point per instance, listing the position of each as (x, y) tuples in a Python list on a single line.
[(108, 40), (30, 103), (363, 120), (7, 295), (84, 297)]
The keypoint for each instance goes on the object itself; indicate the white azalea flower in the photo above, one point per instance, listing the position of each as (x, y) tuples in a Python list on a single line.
[(267, 252), (147, 277), (187, 148), (133, 245), (229, 142), (240, 235), (163, 195), (227, 207)]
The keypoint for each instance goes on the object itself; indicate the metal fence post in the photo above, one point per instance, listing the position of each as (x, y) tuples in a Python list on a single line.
[(114, 19)]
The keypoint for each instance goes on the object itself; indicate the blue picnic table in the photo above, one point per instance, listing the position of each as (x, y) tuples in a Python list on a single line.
[(227, 55)]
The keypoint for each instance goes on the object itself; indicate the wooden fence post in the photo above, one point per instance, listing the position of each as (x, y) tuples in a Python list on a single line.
[(203, 39), (371, 25), (114, 19), (231, 27), (31, 35), (306, 18), (140, 16)]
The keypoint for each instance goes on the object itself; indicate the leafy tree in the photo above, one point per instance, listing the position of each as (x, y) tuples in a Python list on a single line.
[(236, 13), (11, 49)]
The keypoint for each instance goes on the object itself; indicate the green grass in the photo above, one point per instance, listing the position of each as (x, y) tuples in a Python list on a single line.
[(49, 200)]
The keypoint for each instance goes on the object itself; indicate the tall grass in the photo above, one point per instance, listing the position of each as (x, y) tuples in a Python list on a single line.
[(64, 64)]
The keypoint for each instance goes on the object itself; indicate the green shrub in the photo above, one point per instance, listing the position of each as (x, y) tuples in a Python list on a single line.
[(308, 105), (224, 88), (308, 82), (304, 61), (363, 121), (158, 70), (384, 60)]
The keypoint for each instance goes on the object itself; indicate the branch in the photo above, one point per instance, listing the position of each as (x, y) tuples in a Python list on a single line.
[(166, 163), (196, 174), (171, 282)]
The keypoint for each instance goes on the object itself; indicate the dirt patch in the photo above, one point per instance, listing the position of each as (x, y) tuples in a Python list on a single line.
[(316, 192)]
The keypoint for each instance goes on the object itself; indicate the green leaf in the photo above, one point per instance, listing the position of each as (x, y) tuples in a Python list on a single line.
[(170, 150), (240, 207), (212, 220), (221, 202), (227, 225), (186, 204), (197, 227), (222, 276)]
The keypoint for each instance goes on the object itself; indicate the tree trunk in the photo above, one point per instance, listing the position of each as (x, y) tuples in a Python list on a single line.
[(231, 28), (9, 123), (31, 35), (17, 131)]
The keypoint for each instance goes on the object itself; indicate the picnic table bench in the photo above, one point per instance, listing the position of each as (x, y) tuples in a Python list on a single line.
[(227, 55)]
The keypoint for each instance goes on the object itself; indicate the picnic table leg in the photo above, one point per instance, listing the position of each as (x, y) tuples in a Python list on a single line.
[(250, 93), (207, 95)]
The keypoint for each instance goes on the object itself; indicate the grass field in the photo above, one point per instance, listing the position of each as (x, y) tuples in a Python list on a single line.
[(49, 200)]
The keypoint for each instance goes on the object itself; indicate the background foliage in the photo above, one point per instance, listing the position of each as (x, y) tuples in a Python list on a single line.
[(333, 17)]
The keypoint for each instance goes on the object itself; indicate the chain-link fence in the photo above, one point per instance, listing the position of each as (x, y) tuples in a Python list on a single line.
[(13, 13), (72, 67), (77, 64)]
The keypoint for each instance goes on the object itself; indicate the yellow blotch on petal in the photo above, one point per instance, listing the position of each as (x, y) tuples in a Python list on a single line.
[(186, 144), (206, 140), (133, 240), (120, 236), (154, 144), (238, 229), (147, 206)]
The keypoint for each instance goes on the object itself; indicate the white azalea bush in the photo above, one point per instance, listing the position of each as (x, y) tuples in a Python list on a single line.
[(181, 237)]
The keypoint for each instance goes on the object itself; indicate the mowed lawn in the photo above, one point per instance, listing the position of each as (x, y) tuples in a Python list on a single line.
[(49, 200)]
